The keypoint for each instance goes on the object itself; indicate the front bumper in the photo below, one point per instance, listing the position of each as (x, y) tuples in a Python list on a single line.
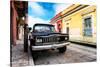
[(52, 46)]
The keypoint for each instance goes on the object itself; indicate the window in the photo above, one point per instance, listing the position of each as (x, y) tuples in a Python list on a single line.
[(88, 26), (44, 28)]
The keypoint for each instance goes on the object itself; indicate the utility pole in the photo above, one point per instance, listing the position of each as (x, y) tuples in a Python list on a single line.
[(25, 37)]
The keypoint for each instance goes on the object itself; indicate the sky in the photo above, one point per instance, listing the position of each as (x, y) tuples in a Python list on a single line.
[(43, 12)]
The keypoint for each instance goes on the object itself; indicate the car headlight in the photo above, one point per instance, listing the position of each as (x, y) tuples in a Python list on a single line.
[(38, 40), (66, 38)]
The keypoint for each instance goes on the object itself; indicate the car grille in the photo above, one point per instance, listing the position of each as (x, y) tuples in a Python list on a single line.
[(49, 39), (46, 40)]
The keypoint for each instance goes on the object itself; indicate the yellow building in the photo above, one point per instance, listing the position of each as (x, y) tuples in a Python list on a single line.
[(80, 22)]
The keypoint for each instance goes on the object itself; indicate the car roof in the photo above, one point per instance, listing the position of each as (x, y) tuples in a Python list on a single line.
[(43, 24)]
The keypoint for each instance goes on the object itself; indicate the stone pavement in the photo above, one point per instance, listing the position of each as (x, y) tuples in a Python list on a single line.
[(75, 53), (19, 58)]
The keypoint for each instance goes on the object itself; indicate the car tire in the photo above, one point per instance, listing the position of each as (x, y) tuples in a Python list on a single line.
[(62, 49), (33, 53)]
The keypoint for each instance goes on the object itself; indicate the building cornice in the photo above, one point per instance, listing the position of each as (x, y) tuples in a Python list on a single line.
[(90, 11), (74, 10)]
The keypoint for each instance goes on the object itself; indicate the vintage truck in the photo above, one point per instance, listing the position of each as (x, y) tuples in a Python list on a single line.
[(44, 37)]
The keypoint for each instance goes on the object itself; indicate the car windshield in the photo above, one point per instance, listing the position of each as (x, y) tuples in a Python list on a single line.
[(44, 28)]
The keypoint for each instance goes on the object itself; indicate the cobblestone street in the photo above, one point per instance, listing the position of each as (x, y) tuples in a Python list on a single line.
[(74, 54)]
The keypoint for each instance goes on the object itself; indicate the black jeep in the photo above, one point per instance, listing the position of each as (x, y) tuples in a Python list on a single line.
[(44, 37)]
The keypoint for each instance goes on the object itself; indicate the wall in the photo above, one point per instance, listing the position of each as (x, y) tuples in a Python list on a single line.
[(75, 23)]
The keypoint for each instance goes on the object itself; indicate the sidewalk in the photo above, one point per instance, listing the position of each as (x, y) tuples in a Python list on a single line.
[(19, 57)]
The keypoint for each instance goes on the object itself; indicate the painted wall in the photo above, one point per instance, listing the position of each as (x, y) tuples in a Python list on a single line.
[(75, 23), (56, 21)]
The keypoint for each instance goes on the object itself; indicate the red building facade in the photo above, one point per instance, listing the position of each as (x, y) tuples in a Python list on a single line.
[(57, 21)]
